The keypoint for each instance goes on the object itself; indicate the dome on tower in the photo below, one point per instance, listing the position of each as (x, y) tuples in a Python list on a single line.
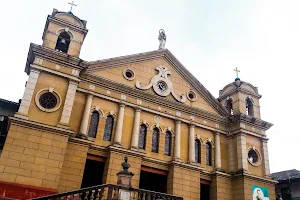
[(68, 17), (239, 85)]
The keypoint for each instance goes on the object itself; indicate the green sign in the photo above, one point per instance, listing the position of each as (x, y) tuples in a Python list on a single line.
[(260, 193)]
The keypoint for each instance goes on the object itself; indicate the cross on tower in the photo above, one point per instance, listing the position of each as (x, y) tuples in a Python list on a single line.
[(72, 4), (237, 72)]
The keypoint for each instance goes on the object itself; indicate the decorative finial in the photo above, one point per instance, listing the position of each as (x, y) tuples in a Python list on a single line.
[(72, 4), (237, 74), (162, 39)]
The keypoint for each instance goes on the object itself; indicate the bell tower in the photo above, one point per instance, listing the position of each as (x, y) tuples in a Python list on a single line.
[(64, 32), (240, 97)]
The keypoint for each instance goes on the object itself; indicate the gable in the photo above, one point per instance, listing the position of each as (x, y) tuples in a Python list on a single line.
[(148, 74)]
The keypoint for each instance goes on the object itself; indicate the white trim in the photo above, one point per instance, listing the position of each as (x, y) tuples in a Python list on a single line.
[(33, 66), (258, 163)]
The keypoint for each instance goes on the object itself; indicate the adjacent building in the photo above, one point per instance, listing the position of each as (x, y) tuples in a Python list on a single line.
[(78, 119), (288, 185)]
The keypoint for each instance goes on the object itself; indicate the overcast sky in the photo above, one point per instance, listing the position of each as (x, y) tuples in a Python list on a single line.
[(210, 38)]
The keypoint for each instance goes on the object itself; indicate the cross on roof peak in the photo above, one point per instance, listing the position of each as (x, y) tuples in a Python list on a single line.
[(72, 4), (237, 74)]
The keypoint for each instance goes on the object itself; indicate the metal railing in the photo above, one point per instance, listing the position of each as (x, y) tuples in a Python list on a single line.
[(110, 192)]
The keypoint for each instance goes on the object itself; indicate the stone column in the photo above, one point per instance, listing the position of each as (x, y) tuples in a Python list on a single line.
[(66, 114), (242, 152), (218, 164), (177, 140), (192, 144), (85, 118), (136, 128), (27, 95), (119, 128), (266, 158)]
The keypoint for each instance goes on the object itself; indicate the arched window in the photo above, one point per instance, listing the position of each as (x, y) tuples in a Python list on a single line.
[(94, 124), (142, 136), (168, 143), (228, 106), (197, 151), (155, 140), (63, 42), (208, 154), (109, 125), (249, 107)]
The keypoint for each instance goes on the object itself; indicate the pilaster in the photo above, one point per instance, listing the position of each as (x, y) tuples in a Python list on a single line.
[(177, 139), (266, 158), (242, 153), (192, 144), (28, 93), (66, 113), (231, 154)]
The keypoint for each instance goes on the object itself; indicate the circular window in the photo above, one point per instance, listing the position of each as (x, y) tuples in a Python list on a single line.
[(254, 157), (47, 100), (129, 74), (191, 95), (162, 86)]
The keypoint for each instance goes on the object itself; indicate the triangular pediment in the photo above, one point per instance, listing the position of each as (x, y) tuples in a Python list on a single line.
[(160, 73)]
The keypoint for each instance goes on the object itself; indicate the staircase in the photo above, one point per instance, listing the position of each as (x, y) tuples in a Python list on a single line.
[(110, 192)]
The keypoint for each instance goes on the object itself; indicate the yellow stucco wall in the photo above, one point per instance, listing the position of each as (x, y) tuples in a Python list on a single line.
[(60, 85)]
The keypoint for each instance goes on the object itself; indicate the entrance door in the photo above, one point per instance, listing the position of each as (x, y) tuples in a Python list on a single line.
[(204, 190), (93, 171), (153, 179)]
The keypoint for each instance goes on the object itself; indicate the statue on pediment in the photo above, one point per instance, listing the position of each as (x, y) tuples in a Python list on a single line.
[(162, 39)]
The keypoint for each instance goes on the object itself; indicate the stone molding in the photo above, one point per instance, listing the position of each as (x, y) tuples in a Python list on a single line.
[(51, 71), (253, 177), (53, 56), (40, 126)]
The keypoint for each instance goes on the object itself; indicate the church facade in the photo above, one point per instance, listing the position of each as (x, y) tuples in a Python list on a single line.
[(78, 119)]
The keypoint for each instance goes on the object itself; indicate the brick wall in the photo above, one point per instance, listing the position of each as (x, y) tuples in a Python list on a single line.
[(221, 187), (32, 157), (184, 182), (73, 167)]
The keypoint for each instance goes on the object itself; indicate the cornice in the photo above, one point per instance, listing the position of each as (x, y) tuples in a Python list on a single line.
[(41, 126), (186, 166), (149, 97), (53, 56), (51, 71), (253, 177), (255, 122), (246, 132), (242, 90), (221, 174), (154, 161)]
